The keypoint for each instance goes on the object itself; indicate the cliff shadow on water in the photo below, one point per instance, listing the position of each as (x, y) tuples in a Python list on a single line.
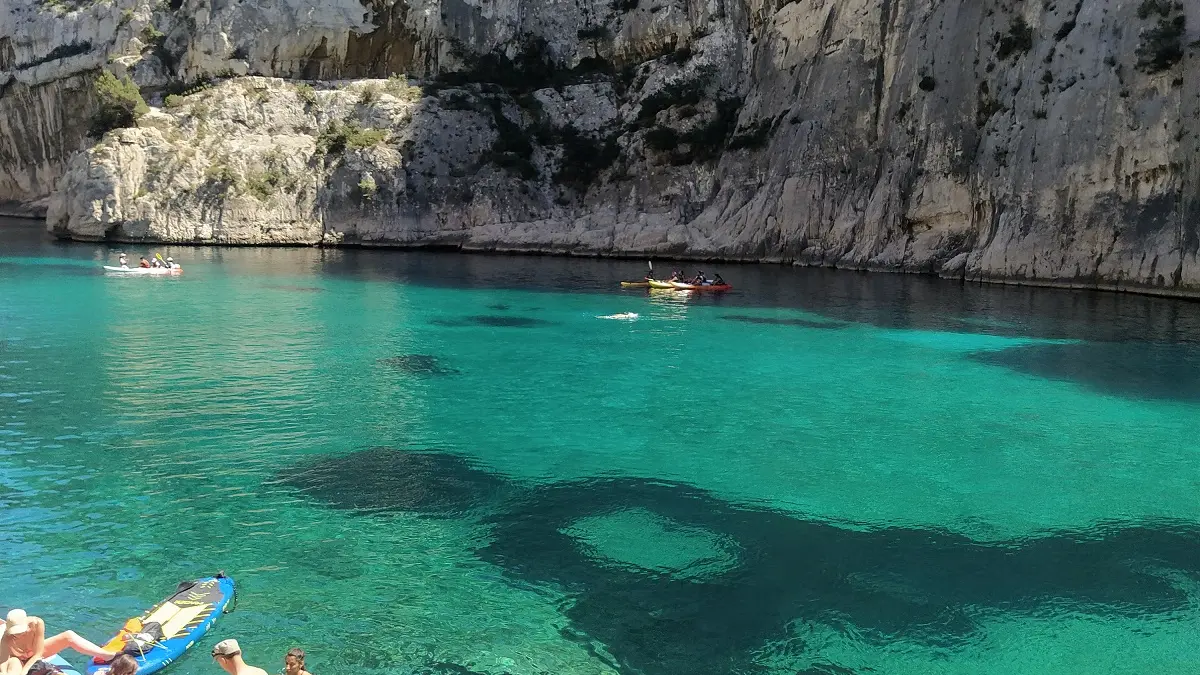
[(707, 583), (1133, 346)]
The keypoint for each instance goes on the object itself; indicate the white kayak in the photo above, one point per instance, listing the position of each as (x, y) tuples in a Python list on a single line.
[(143, 271)]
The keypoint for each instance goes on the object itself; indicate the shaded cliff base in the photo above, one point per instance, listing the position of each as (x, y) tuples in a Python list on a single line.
[(669, 261), (12, 209)]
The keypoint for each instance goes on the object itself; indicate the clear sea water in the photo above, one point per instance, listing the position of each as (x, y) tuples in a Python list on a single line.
[(417, 462)]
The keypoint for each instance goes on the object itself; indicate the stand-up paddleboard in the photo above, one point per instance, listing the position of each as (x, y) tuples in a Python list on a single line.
[(162, 634), (55, 665)]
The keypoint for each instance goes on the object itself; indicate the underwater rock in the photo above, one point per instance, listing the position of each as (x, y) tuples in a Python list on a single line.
[(774, 321), (418, 364), (493, 321)]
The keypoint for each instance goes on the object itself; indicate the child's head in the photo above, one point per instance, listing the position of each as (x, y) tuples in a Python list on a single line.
[(123, 665)]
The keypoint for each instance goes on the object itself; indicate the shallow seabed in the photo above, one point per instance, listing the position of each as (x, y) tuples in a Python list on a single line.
[(440, 463)]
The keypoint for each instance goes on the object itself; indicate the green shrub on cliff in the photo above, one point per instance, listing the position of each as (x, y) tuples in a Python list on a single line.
[(119, 104), (1018, 39), (264, 184), (397, 85), (306, 93), (338, 137), (1162, 44)]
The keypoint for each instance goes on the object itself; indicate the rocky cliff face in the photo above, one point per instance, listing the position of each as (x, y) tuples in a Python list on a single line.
[(1051, 141)]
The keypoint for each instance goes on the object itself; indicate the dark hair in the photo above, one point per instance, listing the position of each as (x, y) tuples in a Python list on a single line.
[(123, 665), (297, 653)]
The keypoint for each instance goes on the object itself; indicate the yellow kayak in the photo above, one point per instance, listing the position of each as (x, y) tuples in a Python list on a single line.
[(634, 284), (655, 283)]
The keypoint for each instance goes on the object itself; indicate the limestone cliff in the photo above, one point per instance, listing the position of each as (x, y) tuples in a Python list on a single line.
[(1052, 141)]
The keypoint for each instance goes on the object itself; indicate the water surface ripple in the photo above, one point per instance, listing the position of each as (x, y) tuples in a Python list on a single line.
[(439, 463)]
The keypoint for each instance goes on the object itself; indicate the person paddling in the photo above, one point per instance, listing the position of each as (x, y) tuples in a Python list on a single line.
[(143, 262), (123, 261), (228, 655)]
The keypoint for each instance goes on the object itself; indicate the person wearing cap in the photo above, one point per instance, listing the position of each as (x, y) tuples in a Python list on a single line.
[(28, 635), (170, 262), (228, 655), (123, 260)]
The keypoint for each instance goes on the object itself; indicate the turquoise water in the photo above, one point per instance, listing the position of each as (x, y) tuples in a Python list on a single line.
[(435, 463)]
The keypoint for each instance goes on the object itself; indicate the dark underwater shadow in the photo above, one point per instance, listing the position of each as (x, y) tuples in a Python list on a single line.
[(776, 321), (418, 364), (295, 288), (50, 269), (386, 479), (1137, 370), (492, 321), (916, 584)]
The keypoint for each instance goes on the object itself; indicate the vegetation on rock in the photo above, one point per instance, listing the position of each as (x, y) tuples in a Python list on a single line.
[(341, 136), (1017, 40), (397, 85), (119, 104), (1162, 44)]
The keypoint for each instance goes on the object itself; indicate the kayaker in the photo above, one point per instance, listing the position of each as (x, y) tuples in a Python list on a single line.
[(155, 263), (123, 261), (28, 631), (170, 262), (293, 662), (717, 280), (144, 262), (228, 655)]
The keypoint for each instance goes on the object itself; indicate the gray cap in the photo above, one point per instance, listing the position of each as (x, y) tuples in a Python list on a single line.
[(226, 648)]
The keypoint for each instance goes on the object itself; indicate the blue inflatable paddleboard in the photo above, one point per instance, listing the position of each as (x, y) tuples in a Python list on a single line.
[(55, 665), (171, 627)]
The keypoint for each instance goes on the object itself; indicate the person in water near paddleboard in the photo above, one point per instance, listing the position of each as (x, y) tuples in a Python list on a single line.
[(228, 655), (18, 661), (293, 662), (26, 629), (123, 665)]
